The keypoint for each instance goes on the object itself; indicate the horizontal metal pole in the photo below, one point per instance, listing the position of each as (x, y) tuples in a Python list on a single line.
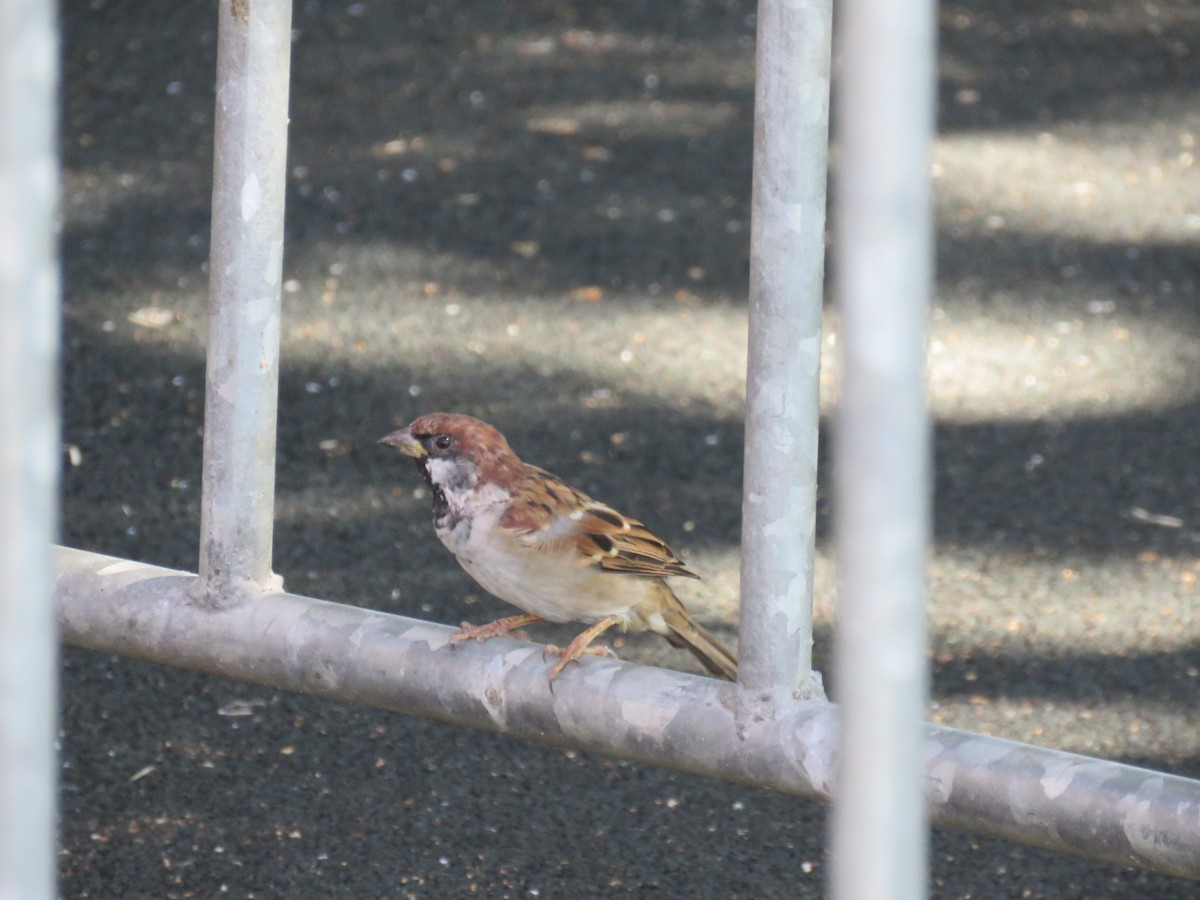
[(1014, 791)]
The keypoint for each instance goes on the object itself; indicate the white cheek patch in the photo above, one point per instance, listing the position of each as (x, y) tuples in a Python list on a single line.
[(448, 473)]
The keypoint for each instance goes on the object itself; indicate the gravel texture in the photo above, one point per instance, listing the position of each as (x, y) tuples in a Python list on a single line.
[(538, 213)]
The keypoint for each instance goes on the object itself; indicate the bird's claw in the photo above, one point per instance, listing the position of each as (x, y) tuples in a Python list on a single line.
[(481, 633), (570, 653)]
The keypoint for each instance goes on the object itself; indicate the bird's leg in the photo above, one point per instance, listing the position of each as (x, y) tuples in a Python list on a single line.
[(506, 627), (580, 646)]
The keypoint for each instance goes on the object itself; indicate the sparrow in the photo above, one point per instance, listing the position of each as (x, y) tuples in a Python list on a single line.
[(532, 540)]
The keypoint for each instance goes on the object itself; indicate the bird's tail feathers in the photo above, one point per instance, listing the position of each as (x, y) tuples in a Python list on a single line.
[(683, 631)]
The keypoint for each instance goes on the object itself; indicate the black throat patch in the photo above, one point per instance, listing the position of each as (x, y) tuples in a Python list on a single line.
[(441, 507), (442, 516)]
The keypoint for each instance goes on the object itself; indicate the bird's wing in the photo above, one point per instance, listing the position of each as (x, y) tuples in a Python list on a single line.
[(549, 512)]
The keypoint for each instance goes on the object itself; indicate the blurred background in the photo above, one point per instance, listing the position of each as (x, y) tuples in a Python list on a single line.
[(538, 213)]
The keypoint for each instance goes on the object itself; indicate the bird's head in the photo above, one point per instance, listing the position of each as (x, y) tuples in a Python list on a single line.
[(456, 452)]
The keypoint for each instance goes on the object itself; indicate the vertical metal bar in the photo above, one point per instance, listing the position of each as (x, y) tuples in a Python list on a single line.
[(29, 442), (787, 255), (881, 446), (253, 58)]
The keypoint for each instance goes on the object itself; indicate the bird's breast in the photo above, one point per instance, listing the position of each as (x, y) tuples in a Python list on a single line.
[(550, 585), (544, 580)]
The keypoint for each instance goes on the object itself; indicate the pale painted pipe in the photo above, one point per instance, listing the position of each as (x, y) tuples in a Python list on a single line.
[(881, 445), (29, 447)]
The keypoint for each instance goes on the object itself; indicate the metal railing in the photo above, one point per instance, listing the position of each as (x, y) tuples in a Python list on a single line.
[(28, 446), (882, 487), (774, 728), (254, 48)]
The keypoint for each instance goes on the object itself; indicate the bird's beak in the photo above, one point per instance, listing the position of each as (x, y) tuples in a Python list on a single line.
[(404, 441)]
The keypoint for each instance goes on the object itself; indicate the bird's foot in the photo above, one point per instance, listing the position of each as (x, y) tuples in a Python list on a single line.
[(580, 646), (506, 627), (566, 655)]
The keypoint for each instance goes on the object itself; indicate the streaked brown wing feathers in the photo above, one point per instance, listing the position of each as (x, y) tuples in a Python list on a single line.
[(539, 500), (620, 544), (547, 510)]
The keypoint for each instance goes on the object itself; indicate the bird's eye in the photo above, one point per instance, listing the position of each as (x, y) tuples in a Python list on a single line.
[(443, 441)]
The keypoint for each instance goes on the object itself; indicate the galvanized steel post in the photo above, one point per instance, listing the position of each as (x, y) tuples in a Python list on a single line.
[(881, 446), (787, 254), (253, 58), (29, 447)]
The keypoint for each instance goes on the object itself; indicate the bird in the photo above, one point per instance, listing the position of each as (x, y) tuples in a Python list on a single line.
[(539, 544)]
